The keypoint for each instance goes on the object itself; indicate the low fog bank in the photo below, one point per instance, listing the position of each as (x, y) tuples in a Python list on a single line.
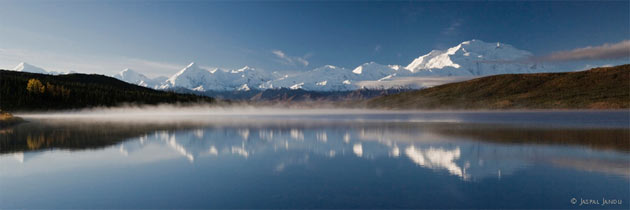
[(412, 82), (241, 115), (168, 111)]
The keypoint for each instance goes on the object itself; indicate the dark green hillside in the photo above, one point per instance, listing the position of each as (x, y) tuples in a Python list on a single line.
[(22, 91), (599, 88)]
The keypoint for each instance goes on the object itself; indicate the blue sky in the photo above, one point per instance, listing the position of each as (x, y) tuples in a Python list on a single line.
[(161, 37)]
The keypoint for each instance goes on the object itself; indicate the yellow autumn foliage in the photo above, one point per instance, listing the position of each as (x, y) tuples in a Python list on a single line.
[(35, 86)]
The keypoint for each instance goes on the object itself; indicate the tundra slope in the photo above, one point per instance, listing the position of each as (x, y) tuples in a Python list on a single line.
[(598, 88)]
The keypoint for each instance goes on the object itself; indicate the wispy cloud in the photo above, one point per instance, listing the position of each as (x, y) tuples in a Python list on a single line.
[(290, 60), (377, 48), (453, 28), (619, 50)]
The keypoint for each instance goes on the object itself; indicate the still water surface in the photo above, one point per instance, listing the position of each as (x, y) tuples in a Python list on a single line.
[(356, 160)]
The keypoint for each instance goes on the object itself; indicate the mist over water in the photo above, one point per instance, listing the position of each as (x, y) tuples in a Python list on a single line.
[(206, 113), (249, 113), (194, 110)]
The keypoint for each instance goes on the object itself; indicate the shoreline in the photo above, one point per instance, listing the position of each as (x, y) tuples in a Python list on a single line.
[(7, 119)]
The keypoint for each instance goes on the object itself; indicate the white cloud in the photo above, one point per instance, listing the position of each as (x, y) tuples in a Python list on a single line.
[(302, 61), (619, 50), (290, 60), (279, 53)]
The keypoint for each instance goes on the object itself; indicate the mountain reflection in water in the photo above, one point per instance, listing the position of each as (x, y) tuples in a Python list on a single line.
[(468, 151)]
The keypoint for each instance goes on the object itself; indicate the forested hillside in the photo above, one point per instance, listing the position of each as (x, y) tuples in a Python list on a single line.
[(22, 91)]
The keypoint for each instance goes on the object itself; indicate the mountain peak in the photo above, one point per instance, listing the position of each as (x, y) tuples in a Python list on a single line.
[(21, 65), (127, 70), (190, 76), (475, 45), (130, 76), (192, 67), (25, 67), (473, 41), (471, 54)]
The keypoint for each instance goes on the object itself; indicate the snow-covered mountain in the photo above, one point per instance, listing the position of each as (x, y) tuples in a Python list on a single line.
[(25, 67), (190, 77), (197, 78), (475, 58), (327, 77), (246, 78), (134, 77), (375, 71), (333, 78)]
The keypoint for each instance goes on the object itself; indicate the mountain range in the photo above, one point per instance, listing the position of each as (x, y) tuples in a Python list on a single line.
[(468, 59)]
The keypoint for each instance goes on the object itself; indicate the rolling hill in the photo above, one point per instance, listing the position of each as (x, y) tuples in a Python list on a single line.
[(598, 88), (24, 91)]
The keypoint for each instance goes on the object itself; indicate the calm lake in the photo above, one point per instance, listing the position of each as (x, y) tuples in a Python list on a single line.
[(318, 160)]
